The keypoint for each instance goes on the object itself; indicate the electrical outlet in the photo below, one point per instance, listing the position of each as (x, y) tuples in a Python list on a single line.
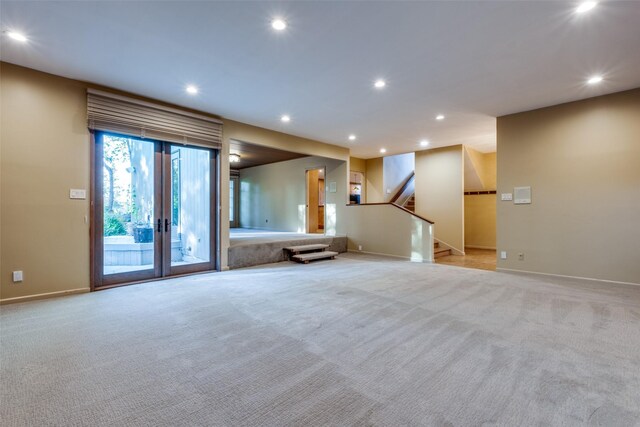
[(359, 247), (503, 255), (521, 256), (17, 276)]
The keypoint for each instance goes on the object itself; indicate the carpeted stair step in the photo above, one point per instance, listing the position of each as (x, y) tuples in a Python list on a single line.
[(306, 248), (314, 256)]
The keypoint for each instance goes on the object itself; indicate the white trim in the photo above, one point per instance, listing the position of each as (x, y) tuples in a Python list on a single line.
[(355, 251), (480, 247), (590, 279), (43, 296)]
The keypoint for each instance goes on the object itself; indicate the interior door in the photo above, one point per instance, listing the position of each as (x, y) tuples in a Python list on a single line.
[(189, 206), (315, 195)]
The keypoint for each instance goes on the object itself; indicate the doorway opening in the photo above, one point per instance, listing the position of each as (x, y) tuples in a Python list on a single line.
[(154, 210), (315, 203)]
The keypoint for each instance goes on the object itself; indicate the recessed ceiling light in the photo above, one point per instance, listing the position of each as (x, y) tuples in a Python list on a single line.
[(285, 119), (439, 117), (17, 36), (278, 24), (424, 143), (234, 158), (586, 6), (379, 84), (352, 137), (383, 150), (595, 79), (192, 90)]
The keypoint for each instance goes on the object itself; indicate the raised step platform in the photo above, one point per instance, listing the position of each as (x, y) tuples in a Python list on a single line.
[(314, 256), (267, 248)]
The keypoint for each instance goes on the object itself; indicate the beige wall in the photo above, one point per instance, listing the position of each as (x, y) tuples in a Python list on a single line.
[(374, 179), (439, 192), (44, 143), (357, 164), (582, 161), (485, 167), (273, 196), (45, 151), (408, 237), (480, 221)]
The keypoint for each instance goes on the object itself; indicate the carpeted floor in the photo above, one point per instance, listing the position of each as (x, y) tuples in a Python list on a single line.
[(356, 341)]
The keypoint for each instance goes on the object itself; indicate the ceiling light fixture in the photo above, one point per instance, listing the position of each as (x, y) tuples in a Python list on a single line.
[(383, 150), (17, 36), (586, 6), (595, 79), (379, 84), (279, 24), (285, 119), (192, 90), (424, 143), (234, 158), (439, 117), (352, 137)]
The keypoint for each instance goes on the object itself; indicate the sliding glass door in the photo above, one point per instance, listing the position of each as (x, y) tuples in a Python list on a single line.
[(190, 209), (154, 213)]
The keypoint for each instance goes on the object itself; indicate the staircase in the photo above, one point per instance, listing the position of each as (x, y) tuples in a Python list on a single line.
[(440, 252), (410, 204), (307, 253)]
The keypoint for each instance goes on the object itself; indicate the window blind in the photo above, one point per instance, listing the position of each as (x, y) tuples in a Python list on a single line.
[(119, 114)]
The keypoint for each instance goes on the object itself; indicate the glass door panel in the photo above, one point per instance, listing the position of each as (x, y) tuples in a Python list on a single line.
[(127, 182), (189, 204)]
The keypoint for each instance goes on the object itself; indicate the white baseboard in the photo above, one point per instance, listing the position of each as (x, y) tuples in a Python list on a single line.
[(387, 255), (43, 296), (589, 279), (480, 247)]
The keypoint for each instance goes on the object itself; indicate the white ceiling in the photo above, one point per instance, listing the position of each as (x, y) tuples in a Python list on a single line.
[(472, 61)]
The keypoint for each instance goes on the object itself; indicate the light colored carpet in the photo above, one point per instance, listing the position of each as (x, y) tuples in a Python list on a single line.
[(356, 341)]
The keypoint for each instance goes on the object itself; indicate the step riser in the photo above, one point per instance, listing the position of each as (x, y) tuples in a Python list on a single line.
[(440, 254)]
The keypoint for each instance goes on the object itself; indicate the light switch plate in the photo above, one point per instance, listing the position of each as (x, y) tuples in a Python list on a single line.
[(503, 255), (506, 197), (76, 193), (17, 276)]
